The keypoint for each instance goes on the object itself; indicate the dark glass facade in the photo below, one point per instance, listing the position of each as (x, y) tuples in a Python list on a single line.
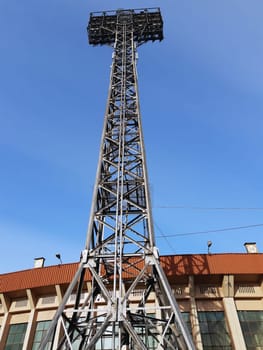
[(214, 330), (252, 327)]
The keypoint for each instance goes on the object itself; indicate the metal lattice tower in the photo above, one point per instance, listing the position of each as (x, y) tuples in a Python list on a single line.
[(128, 304)]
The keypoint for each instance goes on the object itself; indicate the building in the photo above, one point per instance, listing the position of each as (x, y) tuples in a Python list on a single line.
[(219, 295)]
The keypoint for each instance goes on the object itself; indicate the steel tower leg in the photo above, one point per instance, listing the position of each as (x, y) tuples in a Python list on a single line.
[(128, 304)]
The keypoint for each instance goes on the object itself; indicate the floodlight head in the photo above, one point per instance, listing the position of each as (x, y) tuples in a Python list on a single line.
[(146, 25), (209, 244), (58, 256)]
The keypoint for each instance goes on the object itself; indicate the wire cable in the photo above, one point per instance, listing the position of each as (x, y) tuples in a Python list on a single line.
[(205, 208), (210, 231), (163, 236)]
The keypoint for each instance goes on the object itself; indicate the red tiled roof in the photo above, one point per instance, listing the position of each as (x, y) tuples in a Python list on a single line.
[(37, 277), (174, 265), (212, 264)]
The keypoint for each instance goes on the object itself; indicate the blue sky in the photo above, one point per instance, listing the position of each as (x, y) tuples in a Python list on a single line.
[(201, 93)]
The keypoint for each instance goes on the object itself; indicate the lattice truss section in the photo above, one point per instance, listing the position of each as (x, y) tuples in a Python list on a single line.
[(128, 304), (120, 223)]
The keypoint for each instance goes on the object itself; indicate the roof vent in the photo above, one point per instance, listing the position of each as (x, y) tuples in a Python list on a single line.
[(39, 262), (251, 247)]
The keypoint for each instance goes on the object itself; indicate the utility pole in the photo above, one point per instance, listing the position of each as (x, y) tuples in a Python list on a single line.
[(128, 303)]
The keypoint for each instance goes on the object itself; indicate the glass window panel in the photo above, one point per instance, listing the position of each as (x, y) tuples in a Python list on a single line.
[(211, 316), (11, 339), (202, 316), (38, 336), (206, 339), (152, 342), (259, 338), (252, 327), (204, 327), (41, 325), (107, 343), (214, 330), (76, 344), (186, 318), (16, 336), (41, 329)]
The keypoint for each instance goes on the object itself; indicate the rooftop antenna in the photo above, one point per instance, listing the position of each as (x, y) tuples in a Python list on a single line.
[(123, 298)]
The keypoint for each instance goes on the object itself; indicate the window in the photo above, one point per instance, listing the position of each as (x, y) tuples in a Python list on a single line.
[(16, 336), (252, 326), (48, 300), (214, 330), (106, 341), (21, 303), (146, 330), (186, 318), (40, 333), (77, 338)]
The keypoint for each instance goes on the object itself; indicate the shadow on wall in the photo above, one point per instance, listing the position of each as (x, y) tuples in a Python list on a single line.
[(185, 265)]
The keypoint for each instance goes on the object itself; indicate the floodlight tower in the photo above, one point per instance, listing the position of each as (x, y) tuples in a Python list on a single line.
[(128, 304)]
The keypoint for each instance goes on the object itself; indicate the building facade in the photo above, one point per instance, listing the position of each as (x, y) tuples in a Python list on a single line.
[(220, 297)]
